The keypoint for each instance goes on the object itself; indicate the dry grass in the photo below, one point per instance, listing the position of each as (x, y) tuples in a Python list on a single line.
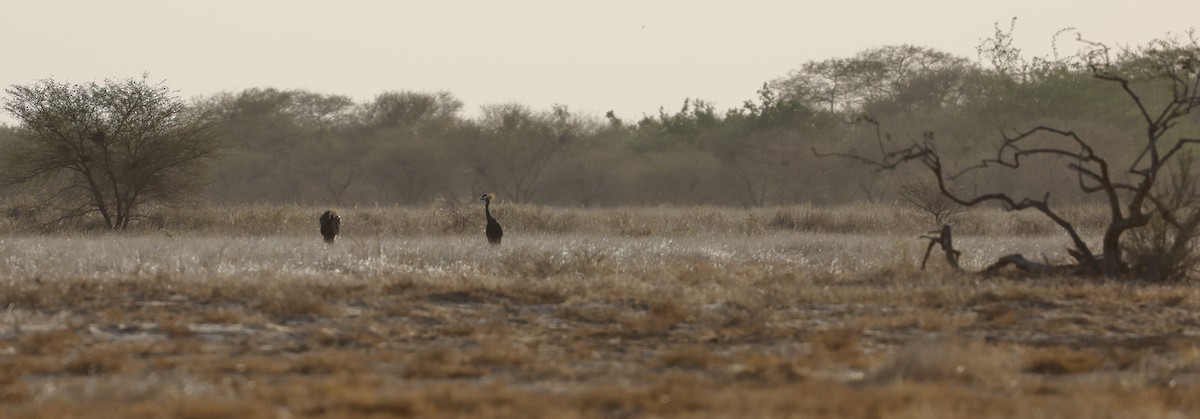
[(654, 321), (455, 219)]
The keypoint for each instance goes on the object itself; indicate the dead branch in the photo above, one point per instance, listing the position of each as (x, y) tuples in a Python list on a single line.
[(1028, 266), (944, 239), (1130, 197)]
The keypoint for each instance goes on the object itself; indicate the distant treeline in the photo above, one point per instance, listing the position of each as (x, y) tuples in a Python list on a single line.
[(412, 148)]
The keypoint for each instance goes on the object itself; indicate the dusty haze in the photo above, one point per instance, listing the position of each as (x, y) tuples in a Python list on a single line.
[(627, 56)]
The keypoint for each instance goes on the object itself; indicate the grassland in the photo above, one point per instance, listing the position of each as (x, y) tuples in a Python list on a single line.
[(657, 312)]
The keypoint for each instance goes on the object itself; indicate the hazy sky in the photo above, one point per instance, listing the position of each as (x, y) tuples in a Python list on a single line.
[(628, 56)]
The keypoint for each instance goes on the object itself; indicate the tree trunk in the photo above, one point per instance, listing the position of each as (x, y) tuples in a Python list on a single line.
[(1111, 248)]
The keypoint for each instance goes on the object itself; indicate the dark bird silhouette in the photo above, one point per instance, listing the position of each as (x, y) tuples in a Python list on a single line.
[(493, 231), (331, 225)]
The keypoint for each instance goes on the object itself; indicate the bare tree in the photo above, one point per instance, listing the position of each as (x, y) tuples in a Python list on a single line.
[(763, 165), (515, 146), (107, 148), (334, 164), (327, 152), (1161, 82), (926, 198)]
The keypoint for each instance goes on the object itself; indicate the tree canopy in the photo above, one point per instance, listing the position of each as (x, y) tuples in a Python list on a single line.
[(411, 147), (107, 148)]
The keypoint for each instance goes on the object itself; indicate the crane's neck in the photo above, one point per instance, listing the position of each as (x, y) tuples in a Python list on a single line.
[(487, 211)]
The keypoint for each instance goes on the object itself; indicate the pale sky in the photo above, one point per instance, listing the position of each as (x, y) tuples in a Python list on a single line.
[(627, 56)]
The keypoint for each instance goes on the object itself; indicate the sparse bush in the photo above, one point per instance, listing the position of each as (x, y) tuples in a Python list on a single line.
[(531, 263), (626, 223), (453, 217), (22, 213), (1166, 250), (925, 197)]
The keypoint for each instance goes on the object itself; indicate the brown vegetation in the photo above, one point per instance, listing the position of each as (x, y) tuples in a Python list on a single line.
[(709, 323)]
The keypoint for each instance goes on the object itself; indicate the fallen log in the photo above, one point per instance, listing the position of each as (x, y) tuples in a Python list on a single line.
[(1018, 261), (945, 240)]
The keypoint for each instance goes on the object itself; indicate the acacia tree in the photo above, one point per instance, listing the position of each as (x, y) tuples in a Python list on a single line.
[(107, 148), (1161, 82)]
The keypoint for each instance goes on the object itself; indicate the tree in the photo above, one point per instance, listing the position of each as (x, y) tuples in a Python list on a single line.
[(408, 169), (1161, 82), (413, 111), (514, 146), (677, 175), (108, 148), (924, 197), (288, 145), (333, 162), (409, 132), (591, 168), (758, 145), (885, 73), (263, 129), (327, 153)]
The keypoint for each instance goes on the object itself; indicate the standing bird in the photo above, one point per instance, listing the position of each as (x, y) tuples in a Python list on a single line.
[(331, 225), (493, 231)]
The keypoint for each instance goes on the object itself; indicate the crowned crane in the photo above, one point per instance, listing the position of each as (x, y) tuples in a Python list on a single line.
[(331, 225), (493, 231)]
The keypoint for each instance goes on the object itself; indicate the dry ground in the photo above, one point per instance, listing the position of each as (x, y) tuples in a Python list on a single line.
[(725, 324)]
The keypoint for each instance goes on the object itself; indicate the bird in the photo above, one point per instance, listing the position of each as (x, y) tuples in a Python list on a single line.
[(493, 231), (331, 225)]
